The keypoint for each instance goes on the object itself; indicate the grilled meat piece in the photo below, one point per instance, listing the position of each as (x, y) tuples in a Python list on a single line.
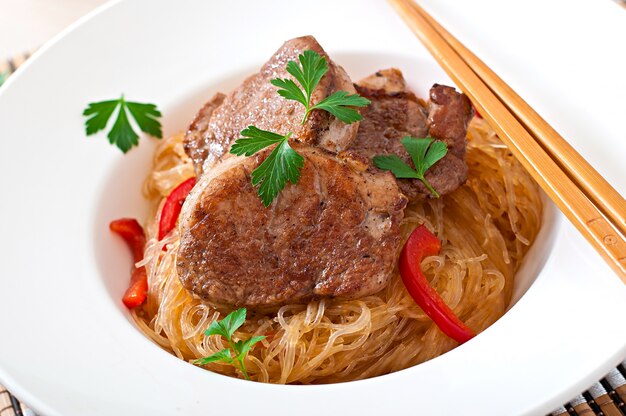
[(396, 112), (197, 139), (334, 234), (256, 102)]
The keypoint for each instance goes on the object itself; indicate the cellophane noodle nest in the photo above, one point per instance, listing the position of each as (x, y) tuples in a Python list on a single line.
[(486, 227)]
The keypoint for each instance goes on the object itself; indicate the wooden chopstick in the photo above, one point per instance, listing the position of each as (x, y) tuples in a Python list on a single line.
[(595, 187), (597, 225)]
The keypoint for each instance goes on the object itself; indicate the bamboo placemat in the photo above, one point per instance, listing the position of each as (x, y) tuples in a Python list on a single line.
[(9, 65), (606, 397)]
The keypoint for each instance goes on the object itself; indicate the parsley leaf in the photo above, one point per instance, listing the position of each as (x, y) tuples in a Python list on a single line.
[(226, 328), (122, 133), (282, 165), (396, 166), (216, 328), (146, 116), (338, 102), (312, 68), (254, 140), (102, 112), (289, 90), (223, 355), (424, 153), (233, 321), (244, 346)]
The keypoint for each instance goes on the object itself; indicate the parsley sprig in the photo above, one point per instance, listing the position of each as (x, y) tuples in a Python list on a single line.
[(238, 350), (424, 153), (284, 163), (312, 68), (122, 133)]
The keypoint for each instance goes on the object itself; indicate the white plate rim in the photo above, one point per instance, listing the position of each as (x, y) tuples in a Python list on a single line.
[(38, 404)]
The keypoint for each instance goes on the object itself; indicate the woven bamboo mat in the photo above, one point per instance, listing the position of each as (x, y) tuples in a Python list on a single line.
[(606, 397), (8, 66)]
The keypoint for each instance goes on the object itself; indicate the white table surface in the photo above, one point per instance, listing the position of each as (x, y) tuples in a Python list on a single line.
[(27, 24)]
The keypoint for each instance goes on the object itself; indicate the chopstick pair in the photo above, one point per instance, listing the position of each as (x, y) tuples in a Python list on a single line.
[(595, 208)]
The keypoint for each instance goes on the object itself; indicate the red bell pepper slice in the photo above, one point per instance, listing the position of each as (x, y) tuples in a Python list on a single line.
[(137, 291), (132, 232), (172, 206), (423, 243)]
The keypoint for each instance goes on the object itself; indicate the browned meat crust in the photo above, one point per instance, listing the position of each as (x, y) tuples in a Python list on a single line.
[(334, 234), (395, 112), (448, 117), (256, 102), (197, 139)]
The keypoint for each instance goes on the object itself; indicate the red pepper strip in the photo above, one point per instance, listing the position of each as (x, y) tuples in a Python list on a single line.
[(172, 206), (130, 230), (423, 243), (137, 291)]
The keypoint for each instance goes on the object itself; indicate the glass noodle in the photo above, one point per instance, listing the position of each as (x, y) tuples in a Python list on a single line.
[(486, 227)]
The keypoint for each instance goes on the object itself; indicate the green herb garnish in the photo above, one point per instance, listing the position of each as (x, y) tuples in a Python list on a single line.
[(308, 74), (238, 350), (424, 153), (122, 133), (284, 163)]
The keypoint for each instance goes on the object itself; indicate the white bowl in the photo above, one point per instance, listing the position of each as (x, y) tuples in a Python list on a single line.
[(70, 347)]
